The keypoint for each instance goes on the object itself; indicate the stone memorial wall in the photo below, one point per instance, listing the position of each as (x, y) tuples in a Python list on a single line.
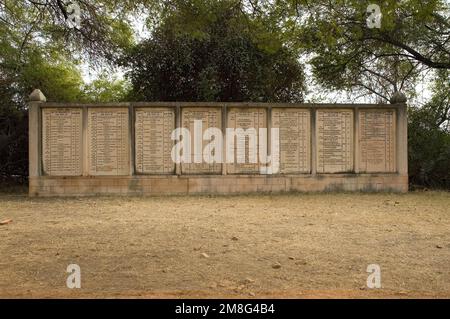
[(127, 148)]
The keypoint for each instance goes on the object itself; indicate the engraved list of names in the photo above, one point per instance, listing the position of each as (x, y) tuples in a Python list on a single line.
[(295, 139), (153, 130), (334, 141), (246, 119), (109, 148), (377, 141), (211, 118), (62, 141)]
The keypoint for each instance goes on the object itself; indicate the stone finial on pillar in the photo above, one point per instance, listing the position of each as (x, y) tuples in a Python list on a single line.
[(398, 97), (37, 96)]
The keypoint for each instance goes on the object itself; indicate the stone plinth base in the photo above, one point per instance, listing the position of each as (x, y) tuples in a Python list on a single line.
[(214, 184)]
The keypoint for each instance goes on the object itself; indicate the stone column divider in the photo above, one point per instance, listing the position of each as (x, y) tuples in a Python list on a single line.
[(313, 111), (178, 111), (224, 138), (356, 140), (132, 132), (402, 139), (36, 100), (85, 147)]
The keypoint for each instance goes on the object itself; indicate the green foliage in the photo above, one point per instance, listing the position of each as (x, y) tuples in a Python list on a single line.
[(348, 55), (38, 50), (429, 138), (429, 151), (104, 31), (13, 145), (105, 89), (215, 58), (57, 77)]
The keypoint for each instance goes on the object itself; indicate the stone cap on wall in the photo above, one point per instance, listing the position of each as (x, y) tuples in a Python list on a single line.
[(227, 104), (37, 96), (398, 100)]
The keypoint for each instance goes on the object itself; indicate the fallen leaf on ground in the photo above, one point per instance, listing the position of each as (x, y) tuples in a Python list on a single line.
[(6, 222)]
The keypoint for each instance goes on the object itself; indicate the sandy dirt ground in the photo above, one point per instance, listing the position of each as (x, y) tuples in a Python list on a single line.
[(288, 246)]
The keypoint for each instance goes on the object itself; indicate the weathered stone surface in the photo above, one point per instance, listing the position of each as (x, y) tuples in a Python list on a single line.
[(211, 118), (334, 141), (295, 139), (62, 139), (108, 141), (398, 97), (197, 184), (248, 120), (78, 150), (377, 141), (153, 129), (37, 96)]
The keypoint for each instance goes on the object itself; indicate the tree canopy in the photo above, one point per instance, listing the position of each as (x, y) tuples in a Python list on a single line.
[(347, 53), (217, 59)]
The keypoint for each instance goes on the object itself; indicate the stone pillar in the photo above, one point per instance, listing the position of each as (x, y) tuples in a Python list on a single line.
[(178, 113), (400, 101), (402, 139), (36, 100), (356, 140), (313, 141), (224, 137)]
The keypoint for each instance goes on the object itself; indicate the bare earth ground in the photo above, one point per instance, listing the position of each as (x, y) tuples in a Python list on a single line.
[(155, 247)]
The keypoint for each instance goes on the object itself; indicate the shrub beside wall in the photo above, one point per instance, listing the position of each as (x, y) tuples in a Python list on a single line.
[(429, 151), (13, 146)]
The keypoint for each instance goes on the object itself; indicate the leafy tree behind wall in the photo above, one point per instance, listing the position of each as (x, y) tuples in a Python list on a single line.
[(217, 58), (349, 54), (57, 77), (39, 50)]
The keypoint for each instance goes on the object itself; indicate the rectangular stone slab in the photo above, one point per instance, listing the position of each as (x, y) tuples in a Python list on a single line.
[(246, 118), (377, 135), (295, 139), (62, 138), (334, 132), (108, 141), (211, 118), (153, 130)]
